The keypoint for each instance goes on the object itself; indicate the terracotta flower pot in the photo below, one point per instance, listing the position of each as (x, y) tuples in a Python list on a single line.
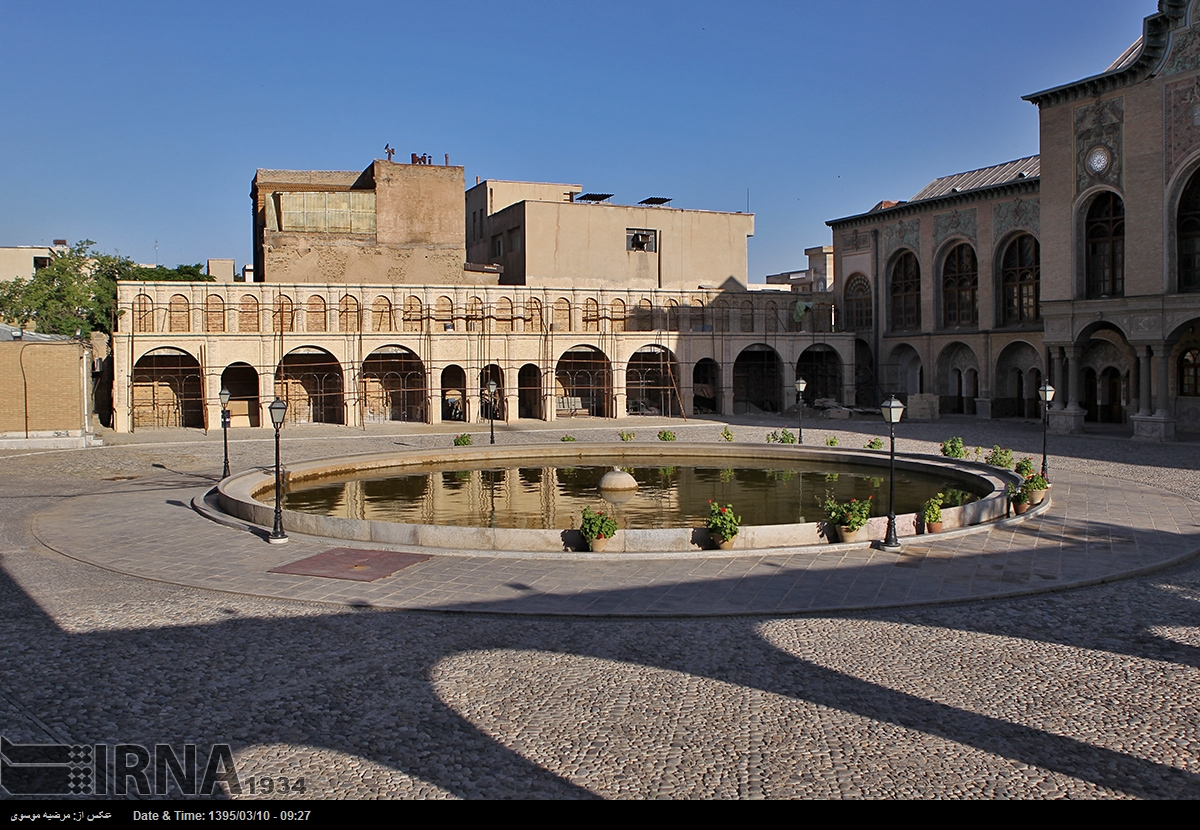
[(1036, 496), (849, 535), (724, 544), (599, 544), (1020, 508), (933, 527)]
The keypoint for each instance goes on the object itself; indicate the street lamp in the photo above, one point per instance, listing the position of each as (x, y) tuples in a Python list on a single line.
[(491, 387), (1046, 393), (801, 383), (224, 396), (892, 409), (278, 410)]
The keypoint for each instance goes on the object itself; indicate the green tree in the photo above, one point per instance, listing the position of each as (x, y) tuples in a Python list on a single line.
[(77, 291)]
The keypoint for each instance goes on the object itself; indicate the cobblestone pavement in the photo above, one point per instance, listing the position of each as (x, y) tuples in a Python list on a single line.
[(1092, 692)]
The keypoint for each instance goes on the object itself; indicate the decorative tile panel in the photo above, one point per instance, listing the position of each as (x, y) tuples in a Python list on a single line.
[(856, 241), (1181, 105), (902, 234), (955, 223), (1023, 214), (1185, 53), (1099, 128)]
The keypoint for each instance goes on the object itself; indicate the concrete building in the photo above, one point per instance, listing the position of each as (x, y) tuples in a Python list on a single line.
[(373, 306), (47, 391)]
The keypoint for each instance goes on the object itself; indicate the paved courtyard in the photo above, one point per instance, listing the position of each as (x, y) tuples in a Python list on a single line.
[(815, 679)]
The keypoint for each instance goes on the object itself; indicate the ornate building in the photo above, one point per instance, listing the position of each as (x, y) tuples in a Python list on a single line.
[(1083, 262)]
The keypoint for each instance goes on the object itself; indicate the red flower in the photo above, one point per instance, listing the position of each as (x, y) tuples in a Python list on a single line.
[(722, 509)]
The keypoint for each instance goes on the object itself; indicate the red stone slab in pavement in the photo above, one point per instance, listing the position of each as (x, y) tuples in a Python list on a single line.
[(348, 563)]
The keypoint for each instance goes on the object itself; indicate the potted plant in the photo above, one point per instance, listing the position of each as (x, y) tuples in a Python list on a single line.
[(722, 524), (849, 517), (931, 513), (597, 528), (1035, 485), (1024, 467), (1019, 497)]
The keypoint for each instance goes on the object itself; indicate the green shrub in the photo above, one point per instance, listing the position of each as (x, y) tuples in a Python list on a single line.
[(786, 437), (953, 448), (567, 438), (874, 444), (463, 440), (625, 436), (831, 441), (1001, 458), (1024, 467), (727, 434), (851, 514), (722, 523), (1035, 481), (956, 498), (931, 510), (666, 435), (595, 526)]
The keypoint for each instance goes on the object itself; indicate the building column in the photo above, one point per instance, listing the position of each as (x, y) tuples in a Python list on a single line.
[(620, 395), (1070, 418), (1163, 400), (1056, 360), (433, 397), (1159, 426), (1144, 382)]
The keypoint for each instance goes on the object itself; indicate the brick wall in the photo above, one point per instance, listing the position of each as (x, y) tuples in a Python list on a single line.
[(47, 376)]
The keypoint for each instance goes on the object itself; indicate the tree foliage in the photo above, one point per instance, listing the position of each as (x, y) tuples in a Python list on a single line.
[(77, 291)]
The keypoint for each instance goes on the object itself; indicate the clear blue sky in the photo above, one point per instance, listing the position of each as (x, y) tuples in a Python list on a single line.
[(130, 122)]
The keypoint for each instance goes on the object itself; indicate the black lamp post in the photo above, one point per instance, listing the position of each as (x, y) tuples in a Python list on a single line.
[(224, 396), (278, 410), (801, 384), (892, 409), (1046, 393), (491, 387)]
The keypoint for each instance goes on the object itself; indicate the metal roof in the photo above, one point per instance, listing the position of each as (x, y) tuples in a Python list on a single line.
[(1012, 171), (8, 332)]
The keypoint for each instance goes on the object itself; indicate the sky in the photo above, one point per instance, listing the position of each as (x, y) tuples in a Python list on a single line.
[(141, 124)]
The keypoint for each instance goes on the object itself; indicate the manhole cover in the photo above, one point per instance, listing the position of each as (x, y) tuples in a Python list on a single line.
[(350, 563)]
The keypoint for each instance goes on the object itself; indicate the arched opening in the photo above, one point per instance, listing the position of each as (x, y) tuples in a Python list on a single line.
[(242, 382), (214, 314), (562, 314), (757, 381), (652, 383), (905, 293), (583, 382), (706, 387), (284, 318), (349, 314), (1020, 281), (617, 320), (143, 314), (310, 380), (1105, 235), (859, 314), (381, 315), (179, 315), (413, 314), (1012, 394), (491, 404), (960, 287), (167, 390), (248, 320), (529, 392), (821, 367), (504, 315), (533, 315), (866, 386), (1187, 232), (904, 373), (957, 379), (314, 315), (454, 394), (393, 383)]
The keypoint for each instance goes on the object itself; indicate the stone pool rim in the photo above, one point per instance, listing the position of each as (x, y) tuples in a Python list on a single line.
[(238, 496)]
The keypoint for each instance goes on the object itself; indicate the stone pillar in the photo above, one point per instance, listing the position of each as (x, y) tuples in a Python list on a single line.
[(1059, 379), (433, 397), (1070, 418), (789, 385), (1163, 401), (1144, 382), (620, 396)]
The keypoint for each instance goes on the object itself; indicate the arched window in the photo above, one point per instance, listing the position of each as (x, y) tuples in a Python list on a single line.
[(533, 314), (412, 314), (1188, 232), (698, 318), (591, 315), (348, 314), (1189, 373), (617, 315), (721, 316), (283, 319), (859, 309), (214, 314), (381, 314), (1020, 279), (248, 314), (314, 314), (562, 314), (504, 315), (771, 317), (1105, 233), (672, 315), (906, 293), (960, 283), (747, 316), (143, 313), (180, 314), (645, 316), (474, 314)]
